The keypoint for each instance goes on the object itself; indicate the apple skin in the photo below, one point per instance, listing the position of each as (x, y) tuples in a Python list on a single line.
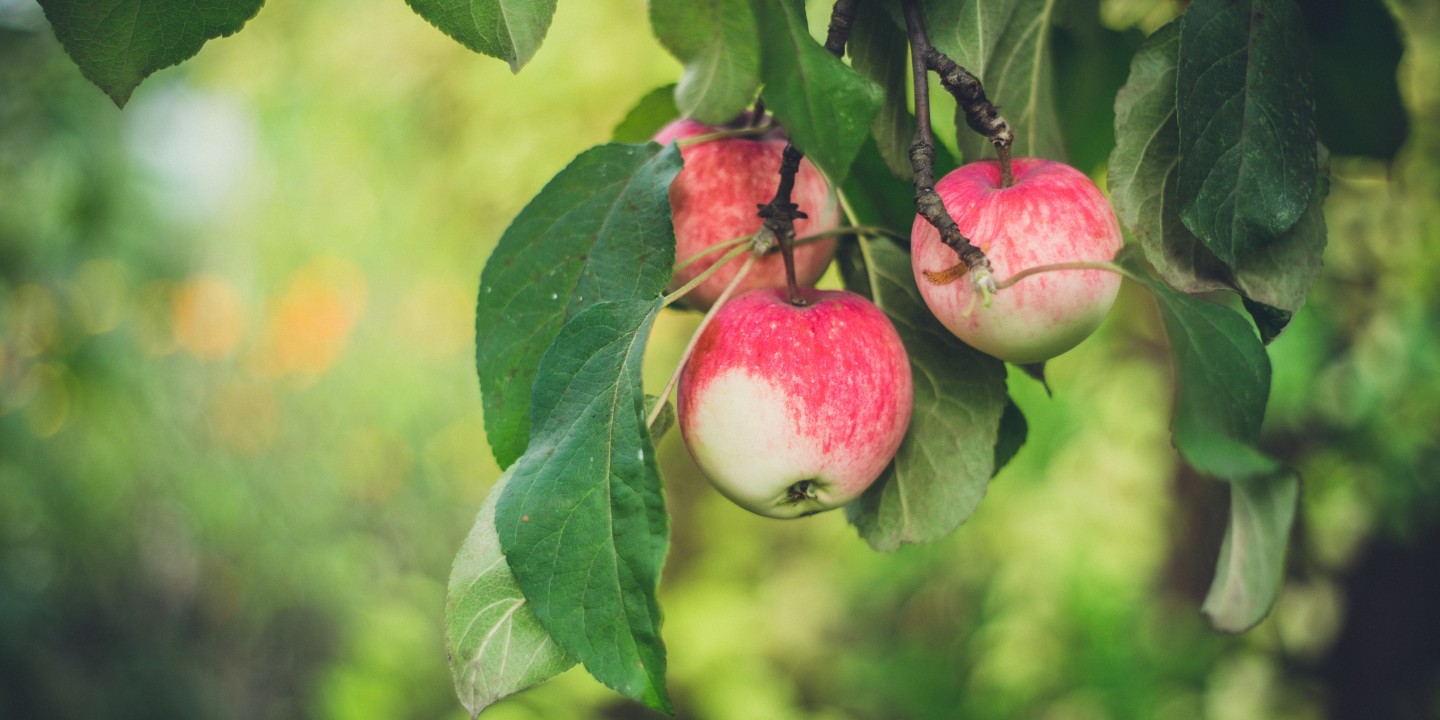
[(714, 199), (776, 394), (1051, 214)]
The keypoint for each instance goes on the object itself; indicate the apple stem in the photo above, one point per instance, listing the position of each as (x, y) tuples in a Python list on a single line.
[(1078, 265), (922, 157), (780, 213), (690, 346), (703, 276), (723, 244), (980, 114), (748, 131)]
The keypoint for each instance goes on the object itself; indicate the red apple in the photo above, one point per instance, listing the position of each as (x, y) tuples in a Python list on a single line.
[(714, 199), (791, 410), (1051, 214)]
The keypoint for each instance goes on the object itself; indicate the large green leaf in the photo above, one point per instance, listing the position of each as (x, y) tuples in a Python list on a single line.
[(1247, 123), (719, 45), (824, 105), (1143, 185), (945, 463), (1252, 554), (1018, 75), (880, 52), (583, 520), (968, 31), (118, 43), (1222, 378), (510, 30), (497, 646), (600, 230)]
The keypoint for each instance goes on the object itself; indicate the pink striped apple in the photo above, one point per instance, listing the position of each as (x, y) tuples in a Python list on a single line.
[(1051, 214), (792, 410), (714, 199)]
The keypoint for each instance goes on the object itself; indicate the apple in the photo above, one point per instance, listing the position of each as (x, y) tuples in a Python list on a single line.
[(715, 198), (791, 410), (1051, 214)]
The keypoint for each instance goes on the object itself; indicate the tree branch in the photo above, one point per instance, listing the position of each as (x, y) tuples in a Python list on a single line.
[(922, 159), (980, 114), (780, 213), (842, 19)]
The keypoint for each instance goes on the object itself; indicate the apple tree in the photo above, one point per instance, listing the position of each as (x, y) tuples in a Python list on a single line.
[(1216, 176)]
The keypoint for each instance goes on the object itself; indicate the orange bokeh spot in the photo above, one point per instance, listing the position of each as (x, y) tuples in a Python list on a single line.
[(310, 323), (206, 317)]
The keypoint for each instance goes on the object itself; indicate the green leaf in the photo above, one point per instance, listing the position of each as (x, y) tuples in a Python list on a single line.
[(119, 43), (496, 645), (945, 463), (1143, 183), (1252, 555), (880, 52), (650, 114), (663, 422), (1143, 167), (968, 31), (1222, 378), (718, 43), (1018, 77), (824, 105), (510, 30), (583, 520), (1247, 123), (600, 230), (1014, 429)]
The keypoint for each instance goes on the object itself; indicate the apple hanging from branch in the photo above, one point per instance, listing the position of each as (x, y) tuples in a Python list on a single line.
[(713, 200), (791, 409), (1051, 215)]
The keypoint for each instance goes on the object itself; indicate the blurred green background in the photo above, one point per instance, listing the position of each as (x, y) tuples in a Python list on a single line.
[(241, 439)]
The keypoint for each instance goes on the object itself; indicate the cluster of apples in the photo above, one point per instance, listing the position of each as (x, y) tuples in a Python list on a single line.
[(795, 409)]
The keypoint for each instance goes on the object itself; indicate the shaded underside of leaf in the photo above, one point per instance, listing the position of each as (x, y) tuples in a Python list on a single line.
[(497, 646), (718, 42), (941, 471), (511, 30), (824, 105), (1143, 180), (600, 230), (582, 520), (1222, 378), (118, 43), (1246, 121)]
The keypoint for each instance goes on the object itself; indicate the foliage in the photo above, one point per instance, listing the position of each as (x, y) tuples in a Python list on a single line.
[(1222, 376)]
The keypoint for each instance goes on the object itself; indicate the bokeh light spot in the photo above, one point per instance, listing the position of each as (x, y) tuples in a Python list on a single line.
[(207, 317), (47, 399), (310, 323), (32, 320)]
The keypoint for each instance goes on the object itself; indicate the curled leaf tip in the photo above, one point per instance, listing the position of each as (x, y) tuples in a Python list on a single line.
[(946, 276)]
